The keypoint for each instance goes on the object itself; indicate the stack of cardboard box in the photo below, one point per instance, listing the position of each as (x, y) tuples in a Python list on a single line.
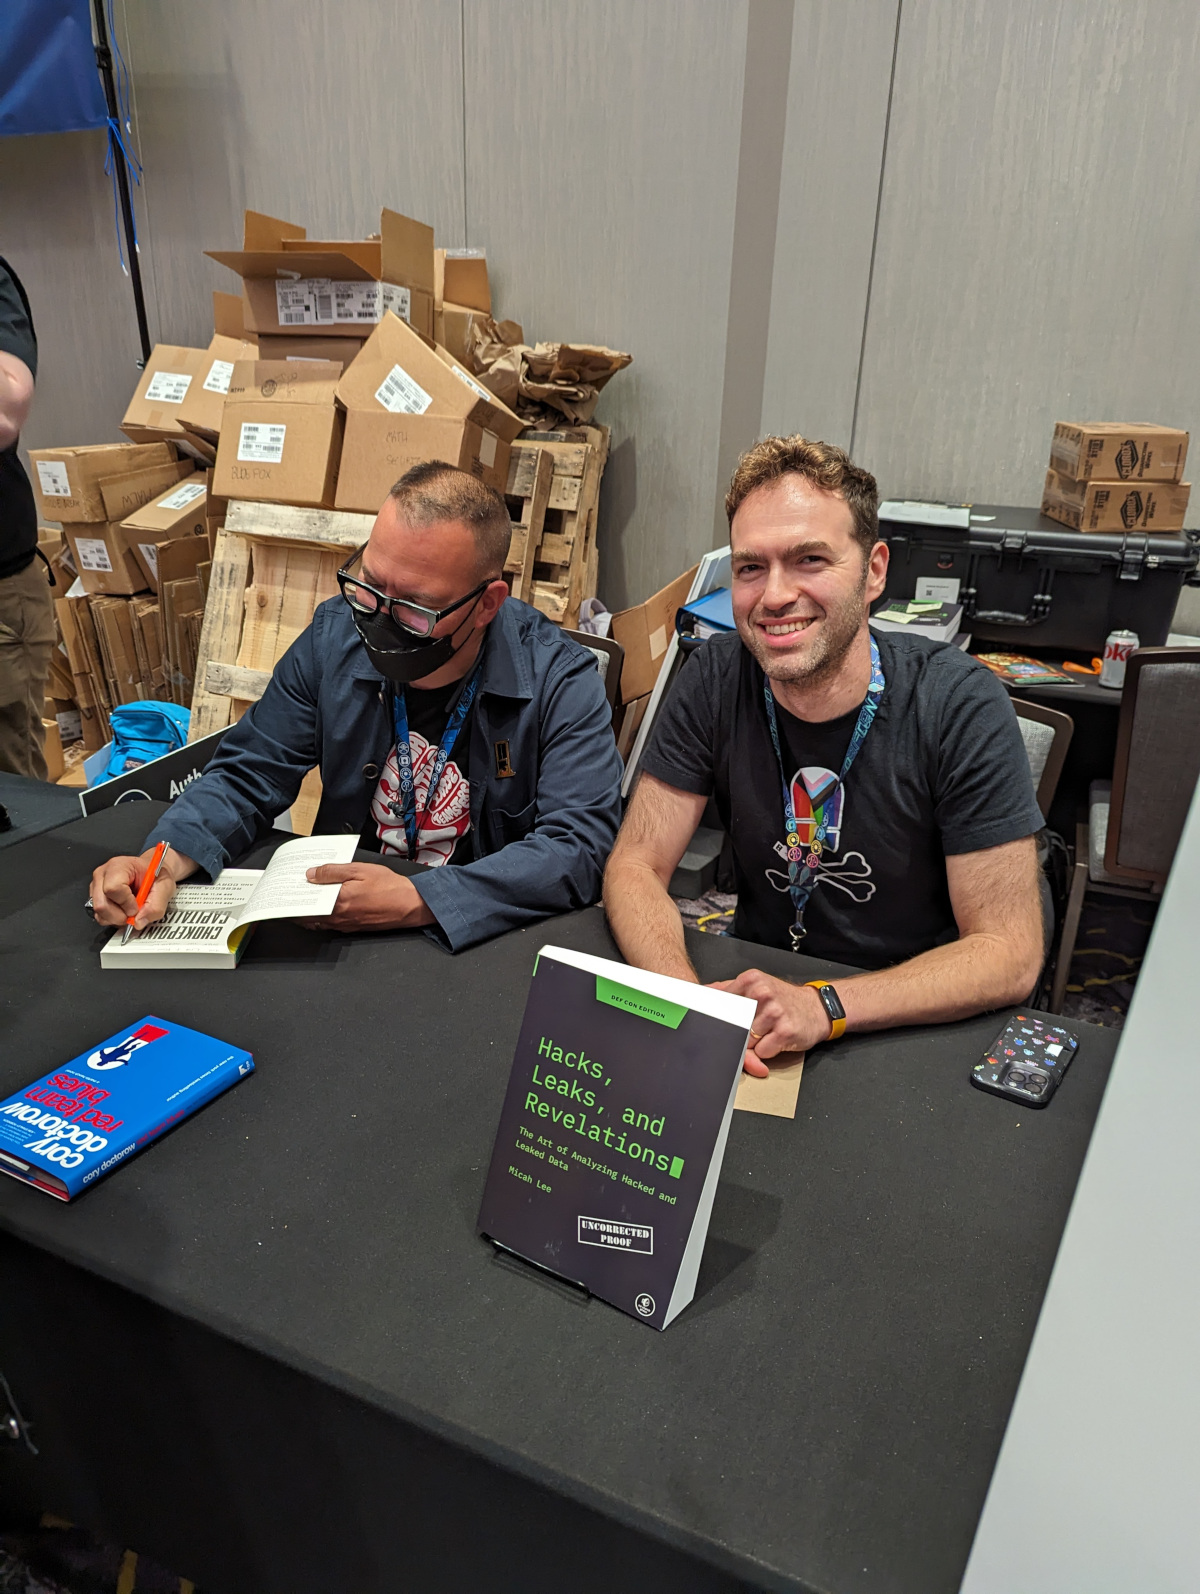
[(128, 566), (1117, 476), (335, 369), (91, 491)]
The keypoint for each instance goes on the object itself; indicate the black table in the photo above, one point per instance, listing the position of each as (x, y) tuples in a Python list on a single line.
[(272, 1353), (34, 806)]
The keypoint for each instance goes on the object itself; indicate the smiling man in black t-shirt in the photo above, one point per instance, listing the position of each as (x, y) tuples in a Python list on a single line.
[(875, 788)]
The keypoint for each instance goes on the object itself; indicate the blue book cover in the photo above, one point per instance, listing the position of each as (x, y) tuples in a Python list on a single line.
[(74, 1125)]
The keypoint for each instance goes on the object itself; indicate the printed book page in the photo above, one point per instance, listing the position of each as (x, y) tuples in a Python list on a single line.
[(207, 918)]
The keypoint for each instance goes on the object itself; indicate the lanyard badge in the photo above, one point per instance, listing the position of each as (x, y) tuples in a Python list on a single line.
[(404, 767), (803, 863)]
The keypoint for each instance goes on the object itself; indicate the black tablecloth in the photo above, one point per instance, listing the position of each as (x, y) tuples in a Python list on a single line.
[(825, 1415)]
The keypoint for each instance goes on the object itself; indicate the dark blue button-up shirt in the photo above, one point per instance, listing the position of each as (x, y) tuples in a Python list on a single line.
[(541, 835)]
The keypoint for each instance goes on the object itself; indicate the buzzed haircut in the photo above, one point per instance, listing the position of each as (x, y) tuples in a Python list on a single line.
[(434, 491), (823, 464)]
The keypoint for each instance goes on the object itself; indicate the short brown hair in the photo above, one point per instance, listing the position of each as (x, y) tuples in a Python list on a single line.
[(434, 491), (824, 465)]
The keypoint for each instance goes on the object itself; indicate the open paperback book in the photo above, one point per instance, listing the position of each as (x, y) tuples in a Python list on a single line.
[(208, 926)]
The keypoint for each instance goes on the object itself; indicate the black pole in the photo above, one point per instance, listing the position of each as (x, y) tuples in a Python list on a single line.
[(104, 61)]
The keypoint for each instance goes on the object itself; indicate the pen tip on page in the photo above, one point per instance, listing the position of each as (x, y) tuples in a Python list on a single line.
[(128, 933)]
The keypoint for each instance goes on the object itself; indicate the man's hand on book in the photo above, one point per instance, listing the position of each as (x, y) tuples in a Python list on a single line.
[(372, 897), (115, 887), (790, 1017)]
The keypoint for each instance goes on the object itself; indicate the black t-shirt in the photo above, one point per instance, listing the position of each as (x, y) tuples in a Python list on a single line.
[(18, 514), (943, 770), (443, 828)]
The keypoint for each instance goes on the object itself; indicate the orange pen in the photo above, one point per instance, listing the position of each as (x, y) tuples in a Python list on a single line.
[(147, 885)]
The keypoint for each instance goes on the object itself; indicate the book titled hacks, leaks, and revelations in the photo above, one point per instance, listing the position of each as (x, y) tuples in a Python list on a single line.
[(76, 1124), (613, 1129)]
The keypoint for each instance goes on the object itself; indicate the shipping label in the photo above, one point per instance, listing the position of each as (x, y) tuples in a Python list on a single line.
[(399, 394), (398, 300), (472, 383), (306, 302), (260, 443), (168, 387), (368, 302), (487, 449), (183, 496), (357, 301), (150, 554), (52, 478), (217, 380), (92, 553)]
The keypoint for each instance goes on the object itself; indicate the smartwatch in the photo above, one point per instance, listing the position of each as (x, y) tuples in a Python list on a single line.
[(829, 1001)]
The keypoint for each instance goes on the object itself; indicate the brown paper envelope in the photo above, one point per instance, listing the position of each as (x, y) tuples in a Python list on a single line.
[(778, 1092)]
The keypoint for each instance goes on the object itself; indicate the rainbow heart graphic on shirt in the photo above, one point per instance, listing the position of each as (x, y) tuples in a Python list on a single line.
[(816, 795)]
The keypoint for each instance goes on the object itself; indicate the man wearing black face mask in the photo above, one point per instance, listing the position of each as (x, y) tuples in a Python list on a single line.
[(451, 725)]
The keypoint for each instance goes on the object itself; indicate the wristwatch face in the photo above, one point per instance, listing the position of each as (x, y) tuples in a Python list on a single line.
[(830, 1002)]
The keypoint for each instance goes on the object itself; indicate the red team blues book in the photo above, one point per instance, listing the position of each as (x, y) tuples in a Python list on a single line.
[(73, 1126)]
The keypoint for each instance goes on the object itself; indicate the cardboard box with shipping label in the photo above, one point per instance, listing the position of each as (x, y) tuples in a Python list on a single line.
[(1115, 506), (1118, 451), (124, 494), (200, 413), (292, 283), (169, 558), (397, 372), (380, 447), (170, 375), (67, 481), (645, 633), (281, 434), (180, 512), (103, 559)]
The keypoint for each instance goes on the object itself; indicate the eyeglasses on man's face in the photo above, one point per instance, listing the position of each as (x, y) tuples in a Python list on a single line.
[(415, 617)]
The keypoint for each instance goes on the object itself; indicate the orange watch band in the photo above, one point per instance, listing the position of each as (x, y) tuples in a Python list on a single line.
[(838, 1028)]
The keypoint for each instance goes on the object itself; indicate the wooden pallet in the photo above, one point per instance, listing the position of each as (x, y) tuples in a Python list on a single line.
[(552, 559), (530, 481), (271, 567)]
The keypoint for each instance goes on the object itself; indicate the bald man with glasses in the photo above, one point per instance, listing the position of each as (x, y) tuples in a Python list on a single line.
[(453, 727)]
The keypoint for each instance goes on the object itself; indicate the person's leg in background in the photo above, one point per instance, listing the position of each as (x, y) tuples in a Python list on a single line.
[(26, 643)]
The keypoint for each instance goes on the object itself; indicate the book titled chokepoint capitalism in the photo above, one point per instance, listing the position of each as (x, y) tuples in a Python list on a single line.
[(613, 1129), (73, 1126)]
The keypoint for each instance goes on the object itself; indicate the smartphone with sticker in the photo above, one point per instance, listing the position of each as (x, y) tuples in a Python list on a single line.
[(1026, 1061)]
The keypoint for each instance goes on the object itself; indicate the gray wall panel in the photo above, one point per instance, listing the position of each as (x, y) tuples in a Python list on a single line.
[(837, 101), (320, 114), (57, 229), (1037, 243), (602, 159)]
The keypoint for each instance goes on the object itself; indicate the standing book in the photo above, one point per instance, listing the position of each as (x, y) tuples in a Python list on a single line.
[(71, 1127), (613, 1129)]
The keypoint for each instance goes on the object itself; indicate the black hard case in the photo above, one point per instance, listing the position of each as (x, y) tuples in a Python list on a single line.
[(1029, 582)]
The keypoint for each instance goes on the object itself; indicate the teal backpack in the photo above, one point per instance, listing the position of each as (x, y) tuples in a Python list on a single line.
[(142, 731)]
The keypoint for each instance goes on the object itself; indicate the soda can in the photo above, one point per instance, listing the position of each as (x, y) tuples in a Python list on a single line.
[(1117, 648)]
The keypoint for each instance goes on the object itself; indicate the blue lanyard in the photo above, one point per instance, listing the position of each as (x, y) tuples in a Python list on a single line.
[(802, 867), (404, 768)]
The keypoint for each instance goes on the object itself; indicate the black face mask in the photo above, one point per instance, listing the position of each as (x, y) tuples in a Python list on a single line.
[(399, 655)]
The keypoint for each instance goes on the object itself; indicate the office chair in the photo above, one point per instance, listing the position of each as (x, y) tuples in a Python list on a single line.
[(1134, 822)]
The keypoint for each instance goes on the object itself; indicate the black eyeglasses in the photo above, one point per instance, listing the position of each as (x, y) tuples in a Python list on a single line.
[(414, 617)]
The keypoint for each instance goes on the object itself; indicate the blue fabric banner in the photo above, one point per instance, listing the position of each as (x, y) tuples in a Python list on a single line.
[(48, 77)]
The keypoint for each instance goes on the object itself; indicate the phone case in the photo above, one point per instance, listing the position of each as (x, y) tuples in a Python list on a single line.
[(1026, 1061)]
